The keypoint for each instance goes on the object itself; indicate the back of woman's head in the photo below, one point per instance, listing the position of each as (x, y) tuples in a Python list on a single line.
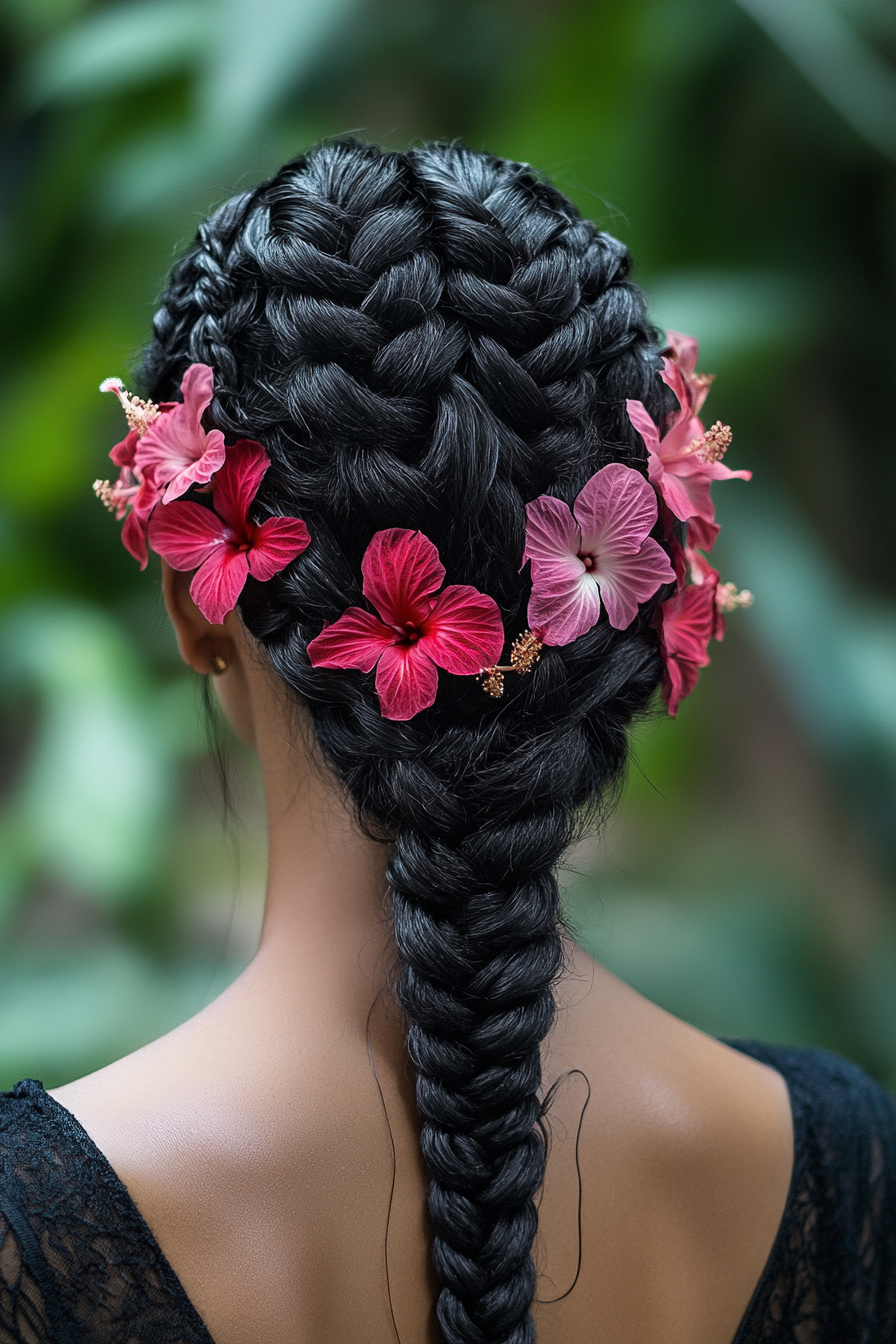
[(429, 341)]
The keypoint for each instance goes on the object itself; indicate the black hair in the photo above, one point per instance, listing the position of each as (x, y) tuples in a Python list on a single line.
[(430, 340)]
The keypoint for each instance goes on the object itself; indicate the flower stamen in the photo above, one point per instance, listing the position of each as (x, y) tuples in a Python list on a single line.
[(524, 654), (139, 414), (728, 598), (105, 494), (713, 445)]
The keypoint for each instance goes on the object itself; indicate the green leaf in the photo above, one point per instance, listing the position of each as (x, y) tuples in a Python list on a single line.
[(94, 799), (735, 312), (837, 61), (117, 49), (260, 51)]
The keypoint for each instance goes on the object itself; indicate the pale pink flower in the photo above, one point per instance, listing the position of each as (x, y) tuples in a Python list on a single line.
[(682, 355), (687, 459), (598, 553), (175, 449)]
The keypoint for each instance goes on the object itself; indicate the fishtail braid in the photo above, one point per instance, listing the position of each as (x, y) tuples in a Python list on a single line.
[(430, 340)]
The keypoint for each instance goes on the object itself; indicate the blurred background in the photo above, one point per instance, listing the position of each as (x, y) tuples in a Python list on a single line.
[(746, 152)]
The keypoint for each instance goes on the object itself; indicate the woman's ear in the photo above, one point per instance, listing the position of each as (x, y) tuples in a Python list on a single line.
[(205, 647), (222, 650)]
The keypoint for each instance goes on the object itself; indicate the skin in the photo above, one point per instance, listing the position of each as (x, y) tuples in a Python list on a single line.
[(254, 1141)]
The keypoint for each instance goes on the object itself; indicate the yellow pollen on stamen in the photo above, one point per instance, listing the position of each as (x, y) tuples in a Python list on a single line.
[(105, 494), (139, 414), (493, 682), (524, 654), (714, 443), (728, 598)]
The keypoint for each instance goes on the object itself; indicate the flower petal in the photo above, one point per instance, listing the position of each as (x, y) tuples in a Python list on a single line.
[(644, 424), (217, 584), (200, 471), (684, 351), (197, 387), (563, 607), (136, 525), (406, 681), (236, 484), (276, 544), (357, 639), (401, 568), (680, 676), (463, 632), (702, 532), (685, 354), (123, 453), (628, 580), (672, 376), (133, 537), (688, 621), (176, 441), (552, 536), (717, 471), (677, 496), (186, 534), (615, 511)]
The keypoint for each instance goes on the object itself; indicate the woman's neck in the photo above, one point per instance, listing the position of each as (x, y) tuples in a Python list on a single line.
[(326, 923)]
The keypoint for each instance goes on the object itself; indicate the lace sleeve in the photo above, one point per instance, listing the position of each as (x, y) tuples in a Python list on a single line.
[(831, 1276), (78, 1265), (23, 1318)]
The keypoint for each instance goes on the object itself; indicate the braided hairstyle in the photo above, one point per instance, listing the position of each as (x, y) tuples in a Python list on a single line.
[(429, 340)]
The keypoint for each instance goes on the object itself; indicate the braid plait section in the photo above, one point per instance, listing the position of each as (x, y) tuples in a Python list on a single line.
[(430, 340)]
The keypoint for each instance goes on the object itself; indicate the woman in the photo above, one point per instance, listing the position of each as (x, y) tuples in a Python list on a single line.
[(434, 511)]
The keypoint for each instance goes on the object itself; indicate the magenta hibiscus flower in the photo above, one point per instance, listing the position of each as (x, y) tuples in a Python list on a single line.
[(135, 496), (598, 552), (415, 631), (686, 624), (221, 544), (687, 459), (174, 448), (689, 620)]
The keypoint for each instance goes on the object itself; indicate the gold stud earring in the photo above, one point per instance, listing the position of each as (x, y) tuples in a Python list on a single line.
[(219, 665)]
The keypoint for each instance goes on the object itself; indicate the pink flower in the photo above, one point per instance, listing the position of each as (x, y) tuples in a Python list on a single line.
[(132, 497), (687, 622), (221, 544), (693, 616), (684, 463), (414, 632), (175, 449), (682, 371), (599, 551), (702, 574)]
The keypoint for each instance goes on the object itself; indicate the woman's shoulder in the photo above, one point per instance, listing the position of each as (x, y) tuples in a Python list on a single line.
[(685, 1152), (75, 1254), (761, 1176), (832, 1271), (827, 1090)]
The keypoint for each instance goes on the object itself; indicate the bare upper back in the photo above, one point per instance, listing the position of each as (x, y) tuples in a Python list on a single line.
[(264, 1162)]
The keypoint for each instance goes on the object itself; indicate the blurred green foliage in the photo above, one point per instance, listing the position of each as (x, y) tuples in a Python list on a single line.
[(745, 151)]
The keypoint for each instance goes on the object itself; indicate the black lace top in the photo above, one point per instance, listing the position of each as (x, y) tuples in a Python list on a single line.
[(78, 1265)]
